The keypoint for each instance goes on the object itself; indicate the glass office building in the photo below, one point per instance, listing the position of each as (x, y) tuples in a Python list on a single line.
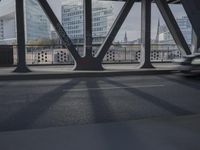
[(72, 21), (185, 27), (36, 23), (7, 21)]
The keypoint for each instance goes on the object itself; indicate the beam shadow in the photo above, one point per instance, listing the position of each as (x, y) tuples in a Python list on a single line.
[(183, 81), (25, 117), (99, 104), (114, 137), (176, 110)]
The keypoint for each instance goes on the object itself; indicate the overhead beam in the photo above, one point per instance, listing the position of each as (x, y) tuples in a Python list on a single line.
[(114, 29), (173, 26)]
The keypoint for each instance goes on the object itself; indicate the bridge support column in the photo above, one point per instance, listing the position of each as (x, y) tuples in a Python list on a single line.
[(146, 35), (21, 48)]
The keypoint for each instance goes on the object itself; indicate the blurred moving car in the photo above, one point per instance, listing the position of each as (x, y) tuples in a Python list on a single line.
[(189, 63)]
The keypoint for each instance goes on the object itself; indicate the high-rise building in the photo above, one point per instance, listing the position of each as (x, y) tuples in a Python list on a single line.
[(72, 21), (36, 22), (185, 27), (7, 20)]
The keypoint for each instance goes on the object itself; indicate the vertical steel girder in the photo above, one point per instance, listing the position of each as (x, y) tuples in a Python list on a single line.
[(146, 34), (60, 30), (114, 30), (87, 28), (21, 48), (173, 26)]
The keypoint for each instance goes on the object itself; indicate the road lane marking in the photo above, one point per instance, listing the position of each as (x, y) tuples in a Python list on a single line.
[(112, 88)]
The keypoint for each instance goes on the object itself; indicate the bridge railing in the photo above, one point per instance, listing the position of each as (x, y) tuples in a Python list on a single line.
[(118, 53)]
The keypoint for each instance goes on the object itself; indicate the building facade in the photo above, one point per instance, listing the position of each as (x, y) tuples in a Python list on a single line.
[(72, 21), (7, 21), (185, 26), (36, 22)]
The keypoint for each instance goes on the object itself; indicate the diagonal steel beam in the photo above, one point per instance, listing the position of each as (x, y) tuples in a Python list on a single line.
[(87, 28), (60, 30), (114, 29), (173, 26)]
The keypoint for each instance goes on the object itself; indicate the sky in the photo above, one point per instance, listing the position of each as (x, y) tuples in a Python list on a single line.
[(132, 24)]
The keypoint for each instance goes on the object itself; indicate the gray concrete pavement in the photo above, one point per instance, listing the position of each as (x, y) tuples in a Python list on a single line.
[(104, 113), (176, 133), (53, 103)]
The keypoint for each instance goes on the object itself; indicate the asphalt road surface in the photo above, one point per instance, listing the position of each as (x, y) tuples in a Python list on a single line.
[(55, 103)]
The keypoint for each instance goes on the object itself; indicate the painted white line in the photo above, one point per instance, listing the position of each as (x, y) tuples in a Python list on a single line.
[(112, 88)]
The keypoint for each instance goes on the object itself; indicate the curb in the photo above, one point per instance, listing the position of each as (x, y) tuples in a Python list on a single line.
[(40, 76)]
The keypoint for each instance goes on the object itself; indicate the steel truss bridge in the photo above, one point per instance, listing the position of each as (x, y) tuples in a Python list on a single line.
[(89, 62)]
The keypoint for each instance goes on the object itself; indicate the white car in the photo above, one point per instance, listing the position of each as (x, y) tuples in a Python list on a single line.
[(189, 63)]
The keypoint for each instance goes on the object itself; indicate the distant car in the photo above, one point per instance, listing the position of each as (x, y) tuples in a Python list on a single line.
[(189, 63)]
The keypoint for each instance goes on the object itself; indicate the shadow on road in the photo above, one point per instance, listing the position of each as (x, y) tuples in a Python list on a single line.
[(103, 110), (25, 117), (189, 81), (120, 137), (153, 99), (100, 105)]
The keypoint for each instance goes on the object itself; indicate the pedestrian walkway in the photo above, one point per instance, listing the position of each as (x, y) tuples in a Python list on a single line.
[(66, 71)]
